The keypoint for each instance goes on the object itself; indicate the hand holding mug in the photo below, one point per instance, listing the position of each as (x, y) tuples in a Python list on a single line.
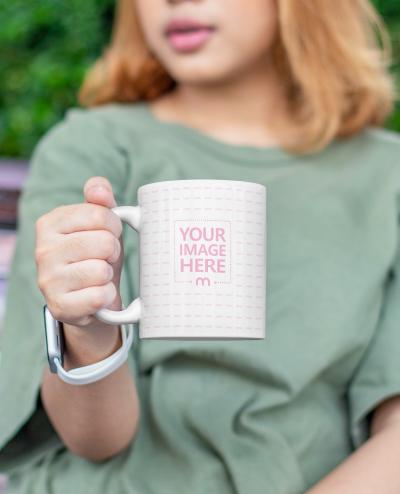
[(79, 256)]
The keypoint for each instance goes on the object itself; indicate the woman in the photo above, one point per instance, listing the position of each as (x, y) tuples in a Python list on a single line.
[(289, 94)]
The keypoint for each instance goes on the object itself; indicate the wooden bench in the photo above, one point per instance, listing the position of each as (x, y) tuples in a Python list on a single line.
[(13, 173)]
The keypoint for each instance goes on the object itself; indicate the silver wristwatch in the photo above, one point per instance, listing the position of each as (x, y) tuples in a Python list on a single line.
[(55, 344)]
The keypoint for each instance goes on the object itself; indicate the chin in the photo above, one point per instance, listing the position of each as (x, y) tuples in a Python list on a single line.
[(195, 70)]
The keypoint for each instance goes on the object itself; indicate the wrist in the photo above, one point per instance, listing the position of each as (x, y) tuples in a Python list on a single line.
[(84, 346)]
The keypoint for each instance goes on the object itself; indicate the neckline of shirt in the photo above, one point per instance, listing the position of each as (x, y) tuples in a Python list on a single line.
[(232, 151)]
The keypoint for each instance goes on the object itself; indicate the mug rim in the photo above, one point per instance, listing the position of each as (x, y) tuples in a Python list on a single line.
[(255, 185)]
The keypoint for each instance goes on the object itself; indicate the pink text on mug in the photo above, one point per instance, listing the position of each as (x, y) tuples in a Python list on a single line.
[(202, 252)]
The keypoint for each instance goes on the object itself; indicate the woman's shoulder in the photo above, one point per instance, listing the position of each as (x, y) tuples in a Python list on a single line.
[(103, 135), (111, 113), (383, 137), (373, 149), (371, 159), (378, 142), (86, 142), (380, 147), (97, 125)]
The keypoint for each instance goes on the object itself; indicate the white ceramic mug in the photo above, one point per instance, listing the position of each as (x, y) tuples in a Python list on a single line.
[(202, 255)]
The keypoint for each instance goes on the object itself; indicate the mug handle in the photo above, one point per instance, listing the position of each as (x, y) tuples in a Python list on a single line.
[(131, 215)]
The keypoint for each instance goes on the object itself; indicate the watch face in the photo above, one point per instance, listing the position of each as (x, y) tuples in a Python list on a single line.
[(54, 339), (61, 341)]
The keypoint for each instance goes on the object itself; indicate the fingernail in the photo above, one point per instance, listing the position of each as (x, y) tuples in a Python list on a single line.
[(97, 188)]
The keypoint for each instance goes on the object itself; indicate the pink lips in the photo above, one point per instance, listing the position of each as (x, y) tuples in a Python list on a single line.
[(186, 35)]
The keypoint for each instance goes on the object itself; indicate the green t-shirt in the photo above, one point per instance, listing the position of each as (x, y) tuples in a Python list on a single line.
[(233, 416)]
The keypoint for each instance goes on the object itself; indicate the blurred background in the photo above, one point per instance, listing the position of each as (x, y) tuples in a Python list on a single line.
[(45, 48)]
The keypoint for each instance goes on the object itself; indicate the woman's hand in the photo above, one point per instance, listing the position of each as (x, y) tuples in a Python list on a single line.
[(79, 256)]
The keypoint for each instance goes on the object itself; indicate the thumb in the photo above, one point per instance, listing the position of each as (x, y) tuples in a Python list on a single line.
[(98, 190)]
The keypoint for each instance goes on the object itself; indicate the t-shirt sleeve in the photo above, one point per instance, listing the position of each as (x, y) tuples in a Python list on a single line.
[(76, 148), (378, 374)]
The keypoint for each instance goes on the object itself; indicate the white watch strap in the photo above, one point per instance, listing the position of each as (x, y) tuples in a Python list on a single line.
[(94, 372)]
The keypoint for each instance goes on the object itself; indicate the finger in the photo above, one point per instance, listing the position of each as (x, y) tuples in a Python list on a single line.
[(81, 274), (98, 190), (79, 246), (96, 244), (75, 305), (79, 217)]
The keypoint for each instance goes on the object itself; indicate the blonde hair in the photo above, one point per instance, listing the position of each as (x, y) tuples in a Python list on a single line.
[(334, 70)]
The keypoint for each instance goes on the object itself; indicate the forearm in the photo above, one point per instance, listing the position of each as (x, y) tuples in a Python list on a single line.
[(99, 419), (372, 468)]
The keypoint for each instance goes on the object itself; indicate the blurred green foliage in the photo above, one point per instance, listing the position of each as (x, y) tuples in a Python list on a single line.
[(390, 11), (45, 48)]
